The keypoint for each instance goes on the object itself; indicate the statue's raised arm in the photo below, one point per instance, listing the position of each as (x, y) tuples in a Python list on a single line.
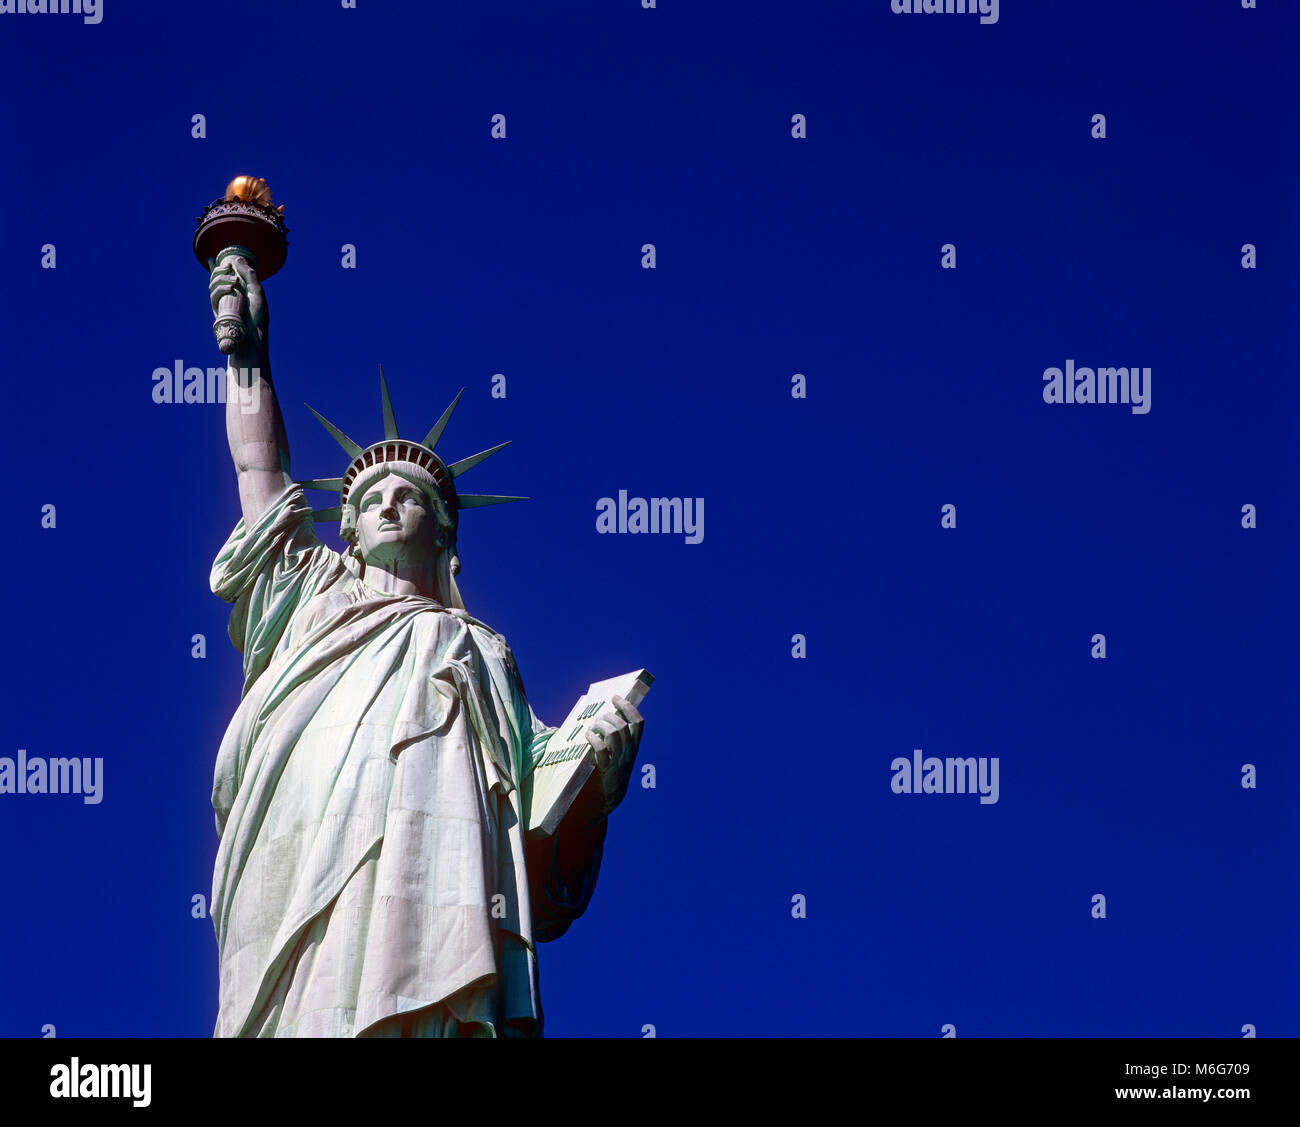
[(254, 425), (241, 239)]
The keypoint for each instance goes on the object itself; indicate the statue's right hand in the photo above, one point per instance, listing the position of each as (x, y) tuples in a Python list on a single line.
[(234, 289), (233, 275)]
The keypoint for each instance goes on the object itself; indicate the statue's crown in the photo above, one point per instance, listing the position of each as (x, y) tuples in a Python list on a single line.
[(413, 459)]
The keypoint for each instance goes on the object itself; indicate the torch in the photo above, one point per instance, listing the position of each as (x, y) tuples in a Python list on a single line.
[(241, 224)]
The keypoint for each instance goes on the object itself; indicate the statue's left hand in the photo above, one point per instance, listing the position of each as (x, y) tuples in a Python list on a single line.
[(615, 738)]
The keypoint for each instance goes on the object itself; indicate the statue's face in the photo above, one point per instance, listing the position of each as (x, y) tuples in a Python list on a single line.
[(396, 523)]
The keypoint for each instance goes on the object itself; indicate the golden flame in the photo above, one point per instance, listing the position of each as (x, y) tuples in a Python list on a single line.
[(251, 188)]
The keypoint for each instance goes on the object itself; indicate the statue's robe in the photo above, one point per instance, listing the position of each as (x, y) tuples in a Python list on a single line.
[(371, 795)]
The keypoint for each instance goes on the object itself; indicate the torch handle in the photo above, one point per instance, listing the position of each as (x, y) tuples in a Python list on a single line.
[(229, 324)]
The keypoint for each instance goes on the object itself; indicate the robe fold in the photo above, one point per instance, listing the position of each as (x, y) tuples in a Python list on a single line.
[(371, 798)]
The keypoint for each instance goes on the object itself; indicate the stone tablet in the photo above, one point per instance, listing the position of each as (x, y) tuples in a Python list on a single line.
[(569, 758)]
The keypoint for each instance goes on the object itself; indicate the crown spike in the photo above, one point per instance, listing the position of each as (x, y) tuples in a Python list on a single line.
[(350, 448), (328, 484), (328, 514), (458, 468), (478, 500), (431, 439), (390, 421)]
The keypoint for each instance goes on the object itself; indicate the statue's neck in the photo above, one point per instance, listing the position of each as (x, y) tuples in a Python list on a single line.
[(401, 579)]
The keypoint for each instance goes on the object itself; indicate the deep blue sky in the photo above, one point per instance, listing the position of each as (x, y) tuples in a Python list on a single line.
[(775, 256)]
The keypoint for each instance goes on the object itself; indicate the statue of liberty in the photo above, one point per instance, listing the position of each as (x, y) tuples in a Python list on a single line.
[(374, 875)]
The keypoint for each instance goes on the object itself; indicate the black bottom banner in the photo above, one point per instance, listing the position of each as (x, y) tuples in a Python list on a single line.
[(576, 1078)]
